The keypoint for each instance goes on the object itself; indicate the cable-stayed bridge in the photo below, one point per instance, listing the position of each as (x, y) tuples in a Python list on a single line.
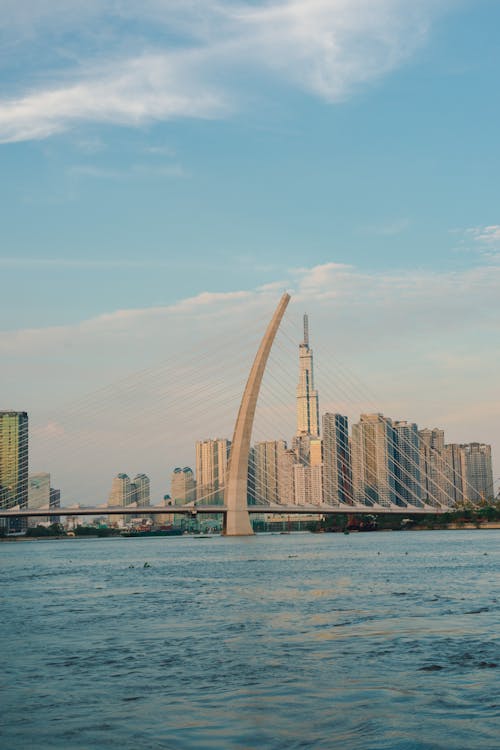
[(202, 388)]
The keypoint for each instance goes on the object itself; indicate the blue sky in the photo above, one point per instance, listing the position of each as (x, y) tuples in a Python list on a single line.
[(154, 152)]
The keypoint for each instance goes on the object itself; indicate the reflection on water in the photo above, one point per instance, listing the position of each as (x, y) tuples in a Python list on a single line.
[(366, 641)]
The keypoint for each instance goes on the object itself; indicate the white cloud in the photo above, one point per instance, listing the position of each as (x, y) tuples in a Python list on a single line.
[(483, 240), (408, 300), (486, 235), (131, 92), (326, 47)]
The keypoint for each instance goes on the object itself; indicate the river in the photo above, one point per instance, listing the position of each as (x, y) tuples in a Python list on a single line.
[(376, 641)]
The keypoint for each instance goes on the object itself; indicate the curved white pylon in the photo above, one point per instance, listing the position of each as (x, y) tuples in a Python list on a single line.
[(237, 520)]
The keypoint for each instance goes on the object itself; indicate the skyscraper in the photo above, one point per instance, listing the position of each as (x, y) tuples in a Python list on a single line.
[(38, 496), (286, 483), (337, 470), (436, 488), (307, 397), (373, 469), (308, 484), (211, 465), (266, 456), (42, 495), (141, 490), (478, 471), (454, 468), (13, 464), (122, 494), (407, 463), (182, 490), (182, 486)]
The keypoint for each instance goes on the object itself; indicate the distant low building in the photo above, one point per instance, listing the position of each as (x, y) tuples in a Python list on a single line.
[(42, 496)]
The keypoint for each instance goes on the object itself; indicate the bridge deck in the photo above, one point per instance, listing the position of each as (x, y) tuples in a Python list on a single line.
[(320, 510)]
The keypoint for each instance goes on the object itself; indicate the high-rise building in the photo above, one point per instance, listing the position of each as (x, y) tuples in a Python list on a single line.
[(373, 469), (337, 470), (39, 490), (454, 468), (436, 488), (122, 494), (266, 456), (211, 465), (42, 495), (140, 490), (301, 445), (38, 496), (308, 484), (316, 452), (286, 483), (407, 463), (13, 465), (182, 489), (307, 397), (478, 472), (55, 502), (182, 486)]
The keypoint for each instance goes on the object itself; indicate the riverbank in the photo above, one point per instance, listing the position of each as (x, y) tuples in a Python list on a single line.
[(493, 525)]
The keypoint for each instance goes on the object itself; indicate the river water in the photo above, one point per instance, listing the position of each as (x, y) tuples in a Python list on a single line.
[(370, 641)]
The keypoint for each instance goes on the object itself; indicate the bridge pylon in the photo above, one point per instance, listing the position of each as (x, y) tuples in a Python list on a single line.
[(236, 518)]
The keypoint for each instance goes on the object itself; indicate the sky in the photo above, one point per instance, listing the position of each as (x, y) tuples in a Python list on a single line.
[(169, 167)]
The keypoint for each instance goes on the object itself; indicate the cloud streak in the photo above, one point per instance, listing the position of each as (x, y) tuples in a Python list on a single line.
[(327, 48), (404, 300)]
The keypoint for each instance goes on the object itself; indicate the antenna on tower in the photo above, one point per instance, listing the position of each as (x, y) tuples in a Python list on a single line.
[(306, 330)]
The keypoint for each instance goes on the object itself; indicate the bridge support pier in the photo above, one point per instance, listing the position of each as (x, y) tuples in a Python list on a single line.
[(237, 519)]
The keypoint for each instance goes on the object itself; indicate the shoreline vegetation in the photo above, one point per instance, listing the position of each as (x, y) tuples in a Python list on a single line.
[(484, 517)]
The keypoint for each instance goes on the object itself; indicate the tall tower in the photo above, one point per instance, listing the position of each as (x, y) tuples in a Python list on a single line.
[(373, 464), (435, 487), (13, 464), (455, 470), (307, 397), (266, 456), (407, 460), (337, 470), (478, 471), (211, 466)]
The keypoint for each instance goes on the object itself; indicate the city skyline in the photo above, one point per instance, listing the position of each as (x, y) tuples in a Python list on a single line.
[(384, 464), (352, 163), (313, 470), (378, 461)]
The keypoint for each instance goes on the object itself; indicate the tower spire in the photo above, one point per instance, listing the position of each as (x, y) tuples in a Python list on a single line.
[(307, 397)]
